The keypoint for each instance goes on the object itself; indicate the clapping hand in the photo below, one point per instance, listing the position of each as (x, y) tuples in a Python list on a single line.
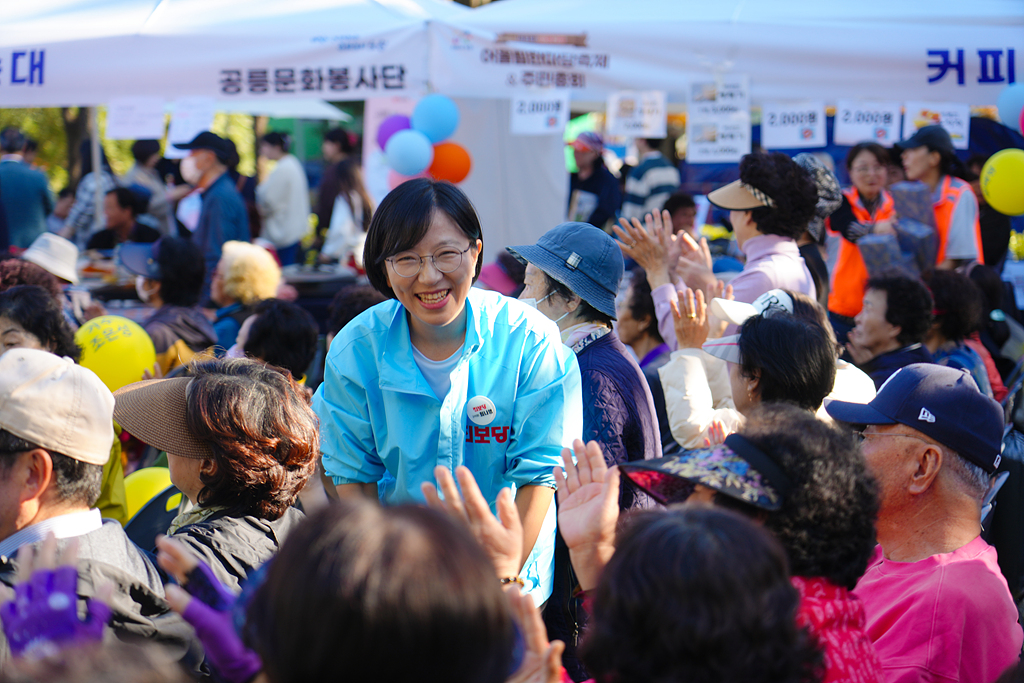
[(652, 245), (588, 509), (691, 323)]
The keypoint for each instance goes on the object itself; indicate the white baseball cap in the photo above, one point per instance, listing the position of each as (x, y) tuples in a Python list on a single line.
[(737, 312), (56, 404)]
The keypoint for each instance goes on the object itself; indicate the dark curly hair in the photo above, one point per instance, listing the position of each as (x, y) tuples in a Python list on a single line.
[(791, 187), (283, 334), (14, 272), (908, 305), (793, 360), (34, 309), (959, 304), (182, 271), (262, 433), (641, 304), (827, 522), (349, 302), (700, 595), (397, 593)]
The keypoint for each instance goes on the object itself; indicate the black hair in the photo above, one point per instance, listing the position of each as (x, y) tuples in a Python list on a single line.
[(641, 304), (31, 145), (655, 143), (75, 482), (349, 302), (881, 154), (34, 309), (515, 269), (128, 199), (788, 185), (405, 216), (679, 200), (65, 191), (12, 140), (143, 150), (342, 138), (182, 271), (276, 139), (990, 284), (827, 521), (701, 595), (584, 312), (284, 335), (959, 304), (908, 305), (396, 593), (792, 360), (807, 309)]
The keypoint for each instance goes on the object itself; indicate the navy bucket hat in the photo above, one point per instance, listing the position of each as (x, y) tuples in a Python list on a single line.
[(581, 257)]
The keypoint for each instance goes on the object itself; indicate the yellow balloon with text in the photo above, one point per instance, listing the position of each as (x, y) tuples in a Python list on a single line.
[(1002, 181), (117, 349)]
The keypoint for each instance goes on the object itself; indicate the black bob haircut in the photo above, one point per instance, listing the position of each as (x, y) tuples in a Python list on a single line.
[(143, 150), (182, 271), (283, 334), (959, 304), (793, 361), (790, 187), (908, 305), (275, 139), (35, 309), (405, 216), (827, 522)]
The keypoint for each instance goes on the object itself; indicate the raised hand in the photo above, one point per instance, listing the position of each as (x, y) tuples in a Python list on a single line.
[(588, 509), (652, 245), (542, 660), (691, 323), (502, 538)]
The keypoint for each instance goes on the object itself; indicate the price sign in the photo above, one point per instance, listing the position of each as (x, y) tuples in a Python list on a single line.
[(539, 114), (638, 114), (722, 98), (954, 117), (135, 118), (191, 116), (787, 126), (866, 122), (718, 142)]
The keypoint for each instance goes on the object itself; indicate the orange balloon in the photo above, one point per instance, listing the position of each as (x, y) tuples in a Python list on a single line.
[(451, 162)]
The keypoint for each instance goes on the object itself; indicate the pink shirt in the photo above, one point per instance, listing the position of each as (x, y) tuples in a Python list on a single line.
[(773, 262), (948, 617)]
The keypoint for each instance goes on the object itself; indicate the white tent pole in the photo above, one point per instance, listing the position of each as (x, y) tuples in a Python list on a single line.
[(97, 169)]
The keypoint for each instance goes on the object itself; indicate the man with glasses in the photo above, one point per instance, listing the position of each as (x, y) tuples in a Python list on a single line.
[(937, 606)]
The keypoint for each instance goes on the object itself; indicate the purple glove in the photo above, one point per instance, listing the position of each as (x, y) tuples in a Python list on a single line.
[(209, 612), (43, 616)]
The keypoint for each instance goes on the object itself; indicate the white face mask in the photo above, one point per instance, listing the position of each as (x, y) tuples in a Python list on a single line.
[(189, 171), (532, 303), (140, 289)]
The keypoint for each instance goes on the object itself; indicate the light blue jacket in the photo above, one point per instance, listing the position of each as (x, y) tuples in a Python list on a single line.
[(381, 422)]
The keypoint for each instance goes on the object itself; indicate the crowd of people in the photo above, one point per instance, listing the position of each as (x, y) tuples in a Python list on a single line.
[(639, 449)]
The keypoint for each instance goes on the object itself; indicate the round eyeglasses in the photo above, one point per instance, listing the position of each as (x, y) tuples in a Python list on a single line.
[(445, 260)]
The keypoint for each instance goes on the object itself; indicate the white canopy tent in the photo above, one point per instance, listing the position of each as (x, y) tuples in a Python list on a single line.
[(790, 49)]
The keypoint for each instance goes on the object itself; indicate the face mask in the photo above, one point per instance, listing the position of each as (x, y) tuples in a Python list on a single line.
[(189, 171), (140, 289), (235, 351), (532, 303)]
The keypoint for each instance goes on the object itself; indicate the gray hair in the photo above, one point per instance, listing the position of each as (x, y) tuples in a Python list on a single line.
[(971, 478)]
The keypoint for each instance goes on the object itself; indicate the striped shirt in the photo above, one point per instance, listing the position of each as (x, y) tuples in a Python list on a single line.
[(649, 185)]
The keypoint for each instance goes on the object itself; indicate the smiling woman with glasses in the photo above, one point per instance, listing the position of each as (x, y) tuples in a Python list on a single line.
[(444, 374)]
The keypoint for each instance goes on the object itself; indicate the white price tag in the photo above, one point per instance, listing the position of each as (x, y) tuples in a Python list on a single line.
[(539, 114), (954, 117), (718, 142), (135, 118), (637, 114), (719, 98), (191, 116), (787, 126), (866, 122)]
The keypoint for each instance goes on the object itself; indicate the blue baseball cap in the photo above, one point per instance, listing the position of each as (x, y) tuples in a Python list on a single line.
[(140, 258), (942, 403), (583, 258)]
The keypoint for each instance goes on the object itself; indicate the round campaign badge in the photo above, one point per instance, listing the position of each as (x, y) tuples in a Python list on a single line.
[(480, 410)]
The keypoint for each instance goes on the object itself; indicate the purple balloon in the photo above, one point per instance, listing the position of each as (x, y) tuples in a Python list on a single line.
[(390, 126)]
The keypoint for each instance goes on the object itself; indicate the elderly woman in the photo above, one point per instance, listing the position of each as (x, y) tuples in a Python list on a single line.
[(446, 374), (241, 441), (808, 484), (866, 209), (246, 275)]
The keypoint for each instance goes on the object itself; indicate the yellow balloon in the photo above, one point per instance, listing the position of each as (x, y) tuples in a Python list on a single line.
[(141, 486), (117, 349), (1002, 181)]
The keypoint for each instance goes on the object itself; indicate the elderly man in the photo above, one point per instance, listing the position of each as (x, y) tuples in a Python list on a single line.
[(937, 607), (56, 429)]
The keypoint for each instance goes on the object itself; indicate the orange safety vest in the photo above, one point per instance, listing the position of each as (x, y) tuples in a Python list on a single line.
[(952, 190), (850, 276)]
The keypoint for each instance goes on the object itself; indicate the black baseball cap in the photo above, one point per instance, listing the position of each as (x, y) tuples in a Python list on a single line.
[(211, 141), (933, 137), (140, 258), (942, 403)]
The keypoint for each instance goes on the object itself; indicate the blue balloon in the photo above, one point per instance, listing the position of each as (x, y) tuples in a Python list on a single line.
[(409, 152), (1010, 103), (436, 116)]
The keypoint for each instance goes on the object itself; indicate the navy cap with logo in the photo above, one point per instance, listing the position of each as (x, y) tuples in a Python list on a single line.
[(934, 137), (942, 403), (210, 141)]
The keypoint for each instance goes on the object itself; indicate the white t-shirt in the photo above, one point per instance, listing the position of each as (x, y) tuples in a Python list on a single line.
[(438, 373)]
